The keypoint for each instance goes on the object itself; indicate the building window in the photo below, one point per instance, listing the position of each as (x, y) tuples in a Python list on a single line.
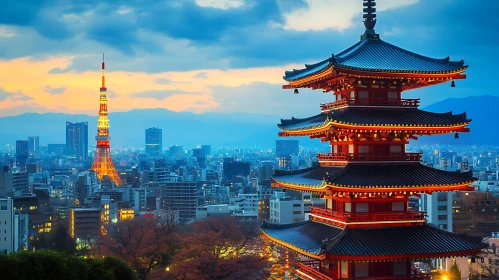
[(442, 208), (296, 212), (442, 217), (296, 205)]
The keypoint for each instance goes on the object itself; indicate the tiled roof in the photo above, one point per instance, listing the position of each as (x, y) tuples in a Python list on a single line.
[(307, 236), (379, 56), (377, 117), (399, 241), (371, 242), (388, 175)]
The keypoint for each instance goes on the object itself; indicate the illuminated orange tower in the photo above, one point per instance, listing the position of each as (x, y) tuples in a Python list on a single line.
[(103, 163)]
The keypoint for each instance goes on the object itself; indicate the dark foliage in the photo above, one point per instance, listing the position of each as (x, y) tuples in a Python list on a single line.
[(51, 265)]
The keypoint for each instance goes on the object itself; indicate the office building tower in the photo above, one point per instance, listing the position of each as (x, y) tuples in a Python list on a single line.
[(33, 145), (438, 207), (77, 139), (22, 153), (207, 149), (286, 148), (13, 228), (181, 196), (154, 141)]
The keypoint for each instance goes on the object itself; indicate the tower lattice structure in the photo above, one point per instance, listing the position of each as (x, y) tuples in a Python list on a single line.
[(103, 162)]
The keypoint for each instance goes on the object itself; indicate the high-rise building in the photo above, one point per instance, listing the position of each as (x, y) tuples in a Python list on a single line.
[(286, 148), (14, 182), (22, 153), (438, 207), (77, 139), (13, 228), (207, 149), (365, 230), (33, 145), (84, 222), (181, 196), (154, 141)]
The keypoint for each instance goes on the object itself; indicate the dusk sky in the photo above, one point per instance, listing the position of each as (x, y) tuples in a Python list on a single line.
[(220, 55)]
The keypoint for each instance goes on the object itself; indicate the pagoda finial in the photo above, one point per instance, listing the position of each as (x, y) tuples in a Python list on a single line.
[(369, 14), (369, 20)]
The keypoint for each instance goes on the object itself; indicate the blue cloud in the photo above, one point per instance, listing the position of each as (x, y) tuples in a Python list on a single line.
[(159, 94), (16, 96), (53, 90)]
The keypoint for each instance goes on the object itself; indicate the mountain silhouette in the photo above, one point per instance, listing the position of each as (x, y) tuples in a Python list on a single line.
[(233, 130)]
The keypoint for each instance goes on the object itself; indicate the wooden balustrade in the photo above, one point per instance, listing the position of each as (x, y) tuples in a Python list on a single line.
[(370, 102), (368, 217), (315, 271), (342, 158)]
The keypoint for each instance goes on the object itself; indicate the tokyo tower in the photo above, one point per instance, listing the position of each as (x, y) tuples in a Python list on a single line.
[(103, 163)]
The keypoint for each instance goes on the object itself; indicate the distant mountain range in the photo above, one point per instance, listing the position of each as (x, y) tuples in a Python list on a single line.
[(235, 129)]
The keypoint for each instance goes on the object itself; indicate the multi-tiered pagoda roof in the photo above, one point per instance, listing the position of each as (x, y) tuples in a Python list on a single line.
[(368, 176), (377, 56), (315, 240), (407, 177)]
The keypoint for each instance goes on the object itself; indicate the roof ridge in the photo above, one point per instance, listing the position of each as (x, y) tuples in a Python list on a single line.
[(446, 59)]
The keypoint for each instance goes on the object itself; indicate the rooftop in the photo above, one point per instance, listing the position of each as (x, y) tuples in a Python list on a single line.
[(315, 239), (407, 175), (376, 117)]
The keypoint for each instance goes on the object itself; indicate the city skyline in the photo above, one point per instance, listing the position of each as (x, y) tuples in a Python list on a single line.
[(182, 69)]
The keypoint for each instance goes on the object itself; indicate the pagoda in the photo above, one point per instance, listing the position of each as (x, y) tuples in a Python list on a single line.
[(365, 230)]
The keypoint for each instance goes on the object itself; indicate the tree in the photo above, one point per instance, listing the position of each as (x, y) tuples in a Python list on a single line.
[(454, 272), (219, 248), (50, 265), (144, 243), (57, 239)]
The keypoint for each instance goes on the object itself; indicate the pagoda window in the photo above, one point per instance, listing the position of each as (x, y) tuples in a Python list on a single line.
[(344, 269), (335, 149), (363, 149), (352, 95), (361, 207), (363, 95), (399, 268), (378, 95), (398, 206), (393, 95), (380, 150), (395, 149), (351, 149), (361, 269), (348, 207)]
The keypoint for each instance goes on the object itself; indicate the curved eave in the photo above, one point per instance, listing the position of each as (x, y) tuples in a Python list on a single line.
[(465, 186), (365, 72), (332, 71), (409, 256), (322, 188), (461, 127), (294, 248)]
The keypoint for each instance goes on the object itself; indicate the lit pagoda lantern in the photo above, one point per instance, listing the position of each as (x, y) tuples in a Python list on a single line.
[(365, 230)]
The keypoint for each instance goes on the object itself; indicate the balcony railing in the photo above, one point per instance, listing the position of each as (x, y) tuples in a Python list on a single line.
[(314, 270), (335, 218), (343, 158), (370, 102)]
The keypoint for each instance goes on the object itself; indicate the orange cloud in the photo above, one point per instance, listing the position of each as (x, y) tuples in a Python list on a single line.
[(32, 78)]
